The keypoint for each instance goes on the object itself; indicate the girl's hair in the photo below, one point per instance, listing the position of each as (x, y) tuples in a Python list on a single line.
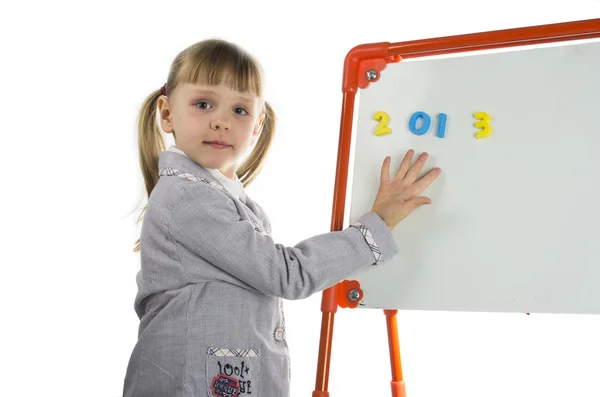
[(209, 62)]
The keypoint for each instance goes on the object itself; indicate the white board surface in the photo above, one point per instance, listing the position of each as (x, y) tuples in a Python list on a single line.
[(515, 221)]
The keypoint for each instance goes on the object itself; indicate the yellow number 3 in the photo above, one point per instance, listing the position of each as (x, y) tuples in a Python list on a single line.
[(484, 124), (382, 127)]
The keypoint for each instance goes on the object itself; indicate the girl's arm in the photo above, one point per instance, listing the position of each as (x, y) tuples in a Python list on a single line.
[(206, 222)]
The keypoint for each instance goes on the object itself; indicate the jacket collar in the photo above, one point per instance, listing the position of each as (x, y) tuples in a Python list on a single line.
[(173, 161), (168, 159)]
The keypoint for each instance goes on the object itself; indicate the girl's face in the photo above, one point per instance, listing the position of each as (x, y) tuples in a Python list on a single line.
[(213, 124)]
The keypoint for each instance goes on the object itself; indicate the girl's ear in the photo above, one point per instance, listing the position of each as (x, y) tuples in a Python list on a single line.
[(164, 111), (257, 127)]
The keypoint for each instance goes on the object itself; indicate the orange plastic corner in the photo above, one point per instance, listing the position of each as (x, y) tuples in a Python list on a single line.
[(344, 289), (362, 58), (376, 65)]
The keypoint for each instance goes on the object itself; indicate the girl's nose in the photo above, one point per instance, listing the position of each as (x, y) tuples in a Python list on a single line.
[(220, 122)]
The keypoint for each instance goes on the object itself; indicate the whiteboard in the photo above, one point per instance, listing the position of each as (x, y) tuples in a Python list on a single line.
[(515, 221)]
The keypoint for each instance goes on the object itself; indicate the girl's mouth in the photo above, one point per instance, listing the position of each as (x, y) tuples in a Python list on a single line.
[(217, 144)]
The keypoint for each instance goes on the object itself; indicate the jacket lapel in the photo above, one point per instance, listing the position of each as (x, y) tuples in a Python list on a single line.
[(172, 164)]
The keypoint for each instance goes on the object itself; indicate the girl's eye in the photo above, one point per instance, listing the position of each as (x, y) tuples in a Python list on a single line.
[(203, 104), (240, 111)]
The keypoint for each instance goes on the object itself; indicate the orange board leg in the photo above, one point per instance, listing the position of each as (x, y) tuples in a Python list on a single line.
[(329, 307), (398, 387), (329, 302)]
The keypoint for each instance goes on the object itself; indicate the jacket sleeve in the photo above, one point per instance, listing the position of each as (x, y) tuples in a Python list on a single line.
[(206, 222)]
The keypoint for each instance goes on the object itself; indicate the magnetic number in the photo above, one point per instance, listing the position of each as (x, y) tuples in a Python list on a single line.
[(484, 124), (382, 127), (441, 132), (414, 119), (426, 123)]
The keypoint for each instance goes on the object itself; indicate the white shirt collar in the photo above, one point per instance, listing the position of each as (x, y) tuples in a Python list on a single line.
[(234, 186)]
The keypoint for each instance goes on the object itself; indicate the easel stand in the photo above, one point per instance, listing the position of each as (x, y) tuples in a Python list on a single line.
[(362, 66)]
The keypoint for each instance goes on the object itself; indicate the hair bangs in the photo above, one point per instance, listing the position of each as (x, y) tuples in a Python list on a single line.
[(222, 63)]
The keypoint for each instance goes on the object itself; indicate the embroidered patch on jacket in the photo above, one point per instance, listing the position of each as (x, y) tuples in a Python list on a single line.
[(225, 386), (370, 240), (194, 178), (233, 372)]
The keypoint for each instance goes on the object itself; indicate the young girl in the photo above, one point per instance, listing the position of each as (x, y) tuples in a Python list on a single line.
[(212, 279)]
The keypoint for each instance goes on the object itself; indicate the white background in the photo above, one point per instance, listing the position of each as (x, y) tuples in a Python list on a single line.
[(74, 75)]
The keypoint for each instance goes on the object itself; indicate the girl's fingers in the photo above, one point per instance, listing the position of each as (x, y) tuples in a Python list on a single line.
[(385, 171), (404, 165), (414, 171), (421, 200), (423, 183), (415, 203)]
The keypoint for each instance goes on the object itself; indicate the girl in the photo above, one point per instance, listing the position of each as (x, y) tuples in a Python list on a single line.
[(212, 279)]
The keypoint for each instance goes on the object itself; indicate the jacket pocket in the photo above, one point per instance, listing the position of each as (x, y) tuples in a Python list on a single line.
[(233, 372)]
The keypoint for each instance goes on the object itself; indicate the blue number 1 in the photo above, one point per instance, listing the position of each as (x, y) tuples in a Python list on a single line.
[(441, 125)]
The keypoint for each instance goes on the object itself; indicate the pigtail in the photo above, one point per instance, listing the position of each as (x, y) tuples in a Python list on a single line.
[(250, 169), (150, 145)]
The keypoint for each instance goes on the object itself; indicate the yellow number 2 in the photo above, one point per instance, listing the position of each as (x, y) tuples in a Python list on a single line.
[(382, 127), (484, 124)]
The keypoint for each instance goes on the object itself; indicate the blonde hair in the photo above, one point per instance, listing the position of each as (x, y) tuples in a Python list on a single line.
[(209, 62)]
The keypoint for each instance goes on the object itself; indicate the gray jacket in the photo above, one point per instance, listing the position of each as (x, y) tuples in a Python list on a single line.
[(211, 285)]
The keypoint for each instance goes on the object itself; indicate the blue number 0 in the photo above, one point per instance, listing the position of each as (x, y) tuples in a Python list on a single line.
[(412, 124)]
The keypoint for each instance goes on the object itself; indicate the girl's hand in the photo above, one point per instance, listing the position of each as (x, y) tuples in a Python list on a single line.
[(398, 197)]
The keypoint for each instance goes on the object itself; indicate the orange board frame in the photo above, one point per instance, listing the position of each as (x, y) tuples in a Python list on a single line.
[(362, 66)]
